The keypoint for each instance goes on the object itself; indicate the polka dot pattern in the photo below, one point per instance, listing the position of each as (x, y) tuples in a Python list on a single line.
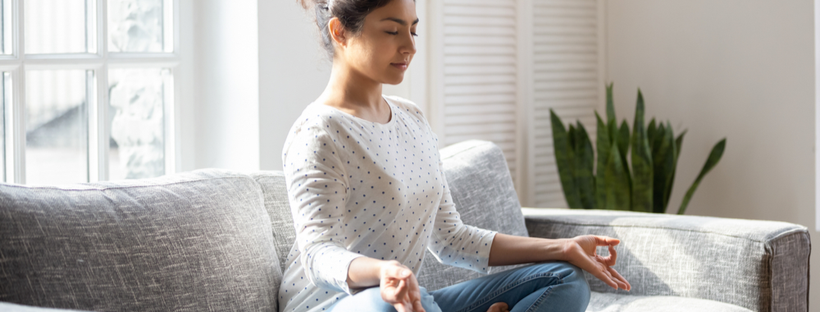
[(360, 188)]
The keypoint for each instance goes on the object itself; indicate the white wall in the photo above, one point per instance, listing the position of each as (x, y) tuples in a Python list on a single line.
[(226, 85), (292, 73), (741, 69)]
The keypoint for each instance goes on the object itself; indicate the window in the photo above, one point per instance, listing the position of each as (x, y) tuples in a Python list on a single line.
[(87, 89)]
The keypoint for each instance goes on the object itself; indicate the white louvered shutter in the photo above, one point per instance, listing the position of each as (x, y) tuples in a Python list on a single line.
[(567, 78), (479, 74)]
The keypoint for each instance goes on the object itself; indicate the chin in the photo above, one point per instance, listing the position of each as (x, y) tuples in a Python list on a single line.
[(394, 80)]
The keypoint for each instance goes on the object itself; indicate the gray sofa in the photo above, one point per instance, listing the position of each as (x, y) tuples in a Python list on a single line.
[(215, 240)]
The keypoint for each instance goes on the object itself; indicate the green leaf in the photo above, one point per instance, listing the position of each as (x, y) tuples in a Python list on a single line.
[(564, 155), (623, 140), (678, 144), (714, 158), (617, 182), (657, 138), (584, 163), (603, 145), (651, 131), (610, 105), (641, 162), (623, 147), (663, 165)]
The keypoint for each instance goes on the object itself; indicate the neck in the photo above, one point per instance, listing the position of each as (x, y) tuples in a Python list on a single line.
[(350, 89)]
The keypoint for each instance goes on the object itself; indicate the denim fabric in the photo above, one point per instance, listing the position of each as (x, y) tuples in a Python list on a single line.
[(553, 286)]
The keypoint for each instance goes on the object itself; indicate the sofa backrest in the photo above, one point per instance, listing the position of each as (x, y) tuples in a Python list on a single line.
[(195, 241), (482, 190), (275, 195)]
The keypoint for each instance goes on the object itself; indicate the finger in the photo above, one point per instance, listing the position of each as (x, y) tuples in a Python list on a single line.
[(620, 278), (401, 290), (398, 272), (395, 294), (400, 307), (417, 306), (613, 256), (596, 269), (415, 290), (604, 241)]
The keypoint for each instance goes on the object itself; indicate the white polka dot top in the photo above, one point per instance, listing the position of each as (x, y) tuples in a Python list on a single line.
[(361, 188)]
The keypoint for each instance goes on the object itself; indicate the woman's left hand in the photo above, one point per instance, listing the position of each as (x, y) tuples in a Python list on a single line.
[(581, 252)]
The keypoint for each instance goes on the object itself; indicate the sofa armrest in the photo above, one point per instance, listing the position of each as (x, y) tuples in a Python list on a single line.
[(759, 265)]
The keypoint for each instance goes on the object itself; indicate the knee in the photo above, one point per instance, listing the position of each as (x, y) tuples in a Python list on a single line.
[(428, 302), (574, 278)]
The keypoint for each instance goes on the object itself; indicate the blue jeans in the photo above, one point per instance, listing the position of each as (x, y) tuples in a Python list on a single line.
[(554, 286)]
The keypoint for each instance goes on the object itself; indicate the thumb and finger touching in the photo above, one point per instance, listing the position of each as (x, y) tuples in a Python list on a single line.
[(401, 289), (601, 266)]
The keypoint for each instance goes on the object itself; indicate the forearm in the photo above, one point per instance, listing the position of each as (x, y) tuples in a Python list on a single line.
[(364, 272), (509, 249)]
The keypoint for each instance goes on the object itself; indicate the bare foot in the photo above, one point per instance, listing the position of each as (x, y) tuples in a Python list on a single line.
[(499, 307)]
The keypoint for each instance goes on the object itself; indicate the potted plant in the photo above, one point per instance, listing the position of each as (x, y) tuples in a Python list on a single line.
[(608, 181)]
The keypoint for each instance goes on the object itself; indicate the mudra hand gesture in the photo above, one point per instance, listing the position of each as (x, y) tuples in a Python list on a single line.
[(400, 288), (581, 252)]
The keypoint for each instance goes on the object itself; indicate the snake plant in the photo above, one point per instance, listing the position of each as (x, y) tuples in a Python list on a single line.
[(641, 182)]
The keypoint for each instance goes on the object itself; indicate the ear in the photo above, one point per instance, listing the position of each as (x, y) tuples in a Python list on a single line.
[(337, 32)]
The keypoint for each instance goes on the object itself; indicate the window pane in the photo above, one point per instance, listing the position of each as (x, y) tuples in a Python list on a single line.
[(138, 99), (5, 15), (60, 26), (56, 126), (140, 26)]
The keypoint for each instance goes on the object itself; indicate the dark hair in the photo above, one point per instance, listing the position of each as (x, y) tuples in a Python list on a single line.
[(351, 13)]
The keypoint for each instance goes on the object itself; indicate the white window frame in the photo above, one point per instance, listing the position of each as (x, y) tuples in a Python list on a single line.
[(98, 134)]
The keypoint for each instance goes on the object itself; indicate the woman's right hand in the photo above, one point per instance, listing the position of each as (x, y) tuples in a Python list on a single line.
[(399, 287)]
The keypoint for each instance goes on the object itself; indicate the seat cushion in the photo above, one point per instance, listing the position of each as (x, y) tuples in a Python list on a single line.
[(196, 241), (607, 302)]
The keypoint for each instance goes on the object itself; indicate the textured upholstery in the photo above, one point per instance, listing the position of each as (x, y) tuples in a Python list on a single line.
[(607, 302), (759, 265), (189, 242), (10, 307), (275, 193)]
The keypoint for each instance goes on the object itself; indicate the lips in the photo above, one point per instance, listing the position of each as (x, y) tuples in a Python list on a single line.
[(402, 65)]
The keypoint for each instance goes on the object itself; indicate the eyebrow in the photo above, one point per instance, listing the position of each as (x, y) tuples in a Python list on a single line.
[(400, 21)]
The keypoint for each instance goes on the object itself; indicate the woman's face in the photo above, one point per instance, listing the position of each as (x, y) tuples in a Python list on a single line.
[(386, 44)]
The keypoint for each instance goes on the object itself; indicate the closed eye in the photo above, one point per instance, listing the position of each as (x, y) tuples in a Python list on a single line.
[(396, 33)]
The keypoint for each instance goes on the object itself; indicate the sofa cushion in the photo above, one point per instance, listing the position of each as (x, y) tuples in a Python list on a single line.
[(607, 302), (195, 241), (276, 202), (484, 196)]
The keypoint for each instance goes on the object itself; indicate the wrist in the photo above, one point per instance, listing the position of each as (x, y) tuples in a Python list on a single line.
[(564, 246)]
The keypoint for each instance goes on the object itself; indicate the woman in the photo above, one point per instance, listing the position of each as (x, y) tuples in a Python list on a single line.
[(368, 194)]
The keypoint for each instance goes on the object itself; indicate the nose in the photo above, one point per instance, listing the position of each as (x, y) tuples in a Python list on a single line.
[(408, 45)]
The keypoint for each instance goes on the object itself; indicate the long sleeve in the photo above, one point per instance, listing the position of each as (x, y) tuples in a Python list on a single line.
[(455, 243), (318, 190)]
